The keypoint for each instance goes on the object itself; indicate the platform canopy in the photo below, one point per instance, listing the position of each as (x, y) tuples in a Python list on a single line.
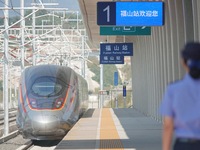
[(89, 12)]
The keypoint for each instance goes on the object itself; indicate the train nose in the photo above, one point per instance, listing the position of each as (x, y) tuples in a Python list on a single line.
[(46, 125)]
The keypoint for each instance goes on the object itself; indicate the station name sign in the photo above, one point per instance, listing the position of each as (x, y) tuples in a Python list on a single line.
[(124, 49), (113, 53), (108, 59), (130, 13)]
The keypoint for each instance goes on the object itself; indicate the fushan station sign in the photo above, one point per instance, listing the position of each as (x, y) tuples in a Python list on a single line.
[(130, 13)]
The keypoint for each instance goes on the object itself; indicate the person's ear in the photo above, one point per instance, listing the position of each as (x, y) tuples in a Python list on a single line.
[(184, 64)]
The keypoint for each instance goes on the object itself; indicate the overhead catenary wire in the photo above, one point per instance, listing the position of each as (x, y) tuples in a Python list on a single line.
[(40, 36), (10, 7), (18, 21)]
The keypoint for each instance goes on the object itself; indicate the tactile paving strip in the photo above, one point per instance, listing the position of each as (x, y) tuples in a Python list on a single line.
[(109, 138)]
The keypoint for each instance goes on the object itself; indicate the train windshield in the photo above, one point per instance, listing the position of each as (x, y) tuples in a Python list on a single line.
[(47, 86)]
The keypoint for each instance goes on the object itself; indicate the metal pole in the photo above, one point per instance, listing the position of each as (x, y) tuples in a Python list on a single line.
[(84, 52), (33, 31), (15, 97), (124, 102), (10, 92), (111, 98), (116, 100), (83, 55), (116, 103), (101, 85), (22, 34), (5, 81), (42, 27), (53, 19), (77, 21)]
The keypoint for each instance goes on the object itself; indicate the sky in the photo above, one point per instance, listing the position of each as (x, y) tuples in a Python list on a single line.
[(70, 4)]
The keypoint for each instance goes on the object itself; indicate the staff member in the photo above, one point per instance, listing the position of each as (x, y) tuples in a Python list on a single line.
[(180, 107)]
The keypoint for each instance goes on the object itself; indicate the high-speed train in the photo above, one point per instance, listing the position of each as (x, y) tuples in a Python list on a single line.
[(51, 100)]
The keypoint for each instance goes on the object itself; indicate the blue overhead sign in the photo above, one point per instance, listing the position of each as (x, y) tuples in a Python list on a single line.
[(130, 13), (119, 49), (115, 78), (108, 59)]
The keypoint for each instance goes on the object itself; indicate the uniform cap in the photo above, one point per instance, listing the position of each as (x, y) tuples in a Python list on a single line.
[(191, 51), (191, 63)]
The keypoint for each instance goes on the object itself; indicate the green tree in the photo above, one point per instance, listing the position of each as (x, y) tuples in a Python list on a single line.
[(108, 71), (126, 70), (1, 85)]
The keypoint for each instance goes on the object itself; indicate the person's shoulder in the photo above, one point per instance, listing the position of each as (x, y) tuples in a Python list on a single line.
[(175, 83)]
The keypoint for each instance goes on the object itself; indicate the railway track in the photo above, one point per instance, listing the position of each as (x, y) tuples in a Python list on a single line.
[(39, 145), (12, 121), (26, 146), (16, 141), (12, 116)]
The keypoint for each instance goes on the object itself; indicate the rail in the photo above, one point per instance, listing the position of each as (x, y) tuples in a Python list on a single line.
[(12, 121)]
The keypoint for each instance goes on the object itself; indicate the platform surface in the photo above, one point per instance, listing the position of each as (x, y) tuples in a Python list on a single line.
[(116, 129)]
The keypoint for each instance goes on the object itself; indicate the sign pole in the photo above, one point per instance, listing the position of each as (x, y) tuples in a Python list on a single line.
[(116, 102), (124, 102), (116, 84), (101, 85), (124, 95)]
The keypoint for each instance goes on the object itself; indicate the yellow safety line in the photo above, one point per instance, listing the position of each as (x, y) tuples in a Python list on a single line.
[(109, 138)]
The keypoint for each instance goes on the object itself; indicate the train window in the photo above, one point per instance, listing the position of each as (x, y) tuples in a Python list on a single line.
[(47, 86)]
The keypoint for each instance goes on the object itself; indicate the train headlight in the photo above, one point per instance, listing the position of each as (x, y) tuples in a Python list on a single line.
[(59, 102), (33, 103)]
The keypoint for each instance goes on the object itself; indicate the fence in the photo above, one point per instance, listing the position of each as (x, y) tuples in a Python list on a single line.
[(112, 99)]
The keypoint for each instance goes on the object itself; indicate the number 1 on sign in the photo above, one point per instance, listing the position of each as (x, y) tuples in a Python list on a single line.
[(108, 13)]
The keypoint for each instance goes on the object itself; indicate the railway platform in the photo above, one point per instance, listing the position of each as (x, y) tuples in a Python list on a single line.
[(116, 129)]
